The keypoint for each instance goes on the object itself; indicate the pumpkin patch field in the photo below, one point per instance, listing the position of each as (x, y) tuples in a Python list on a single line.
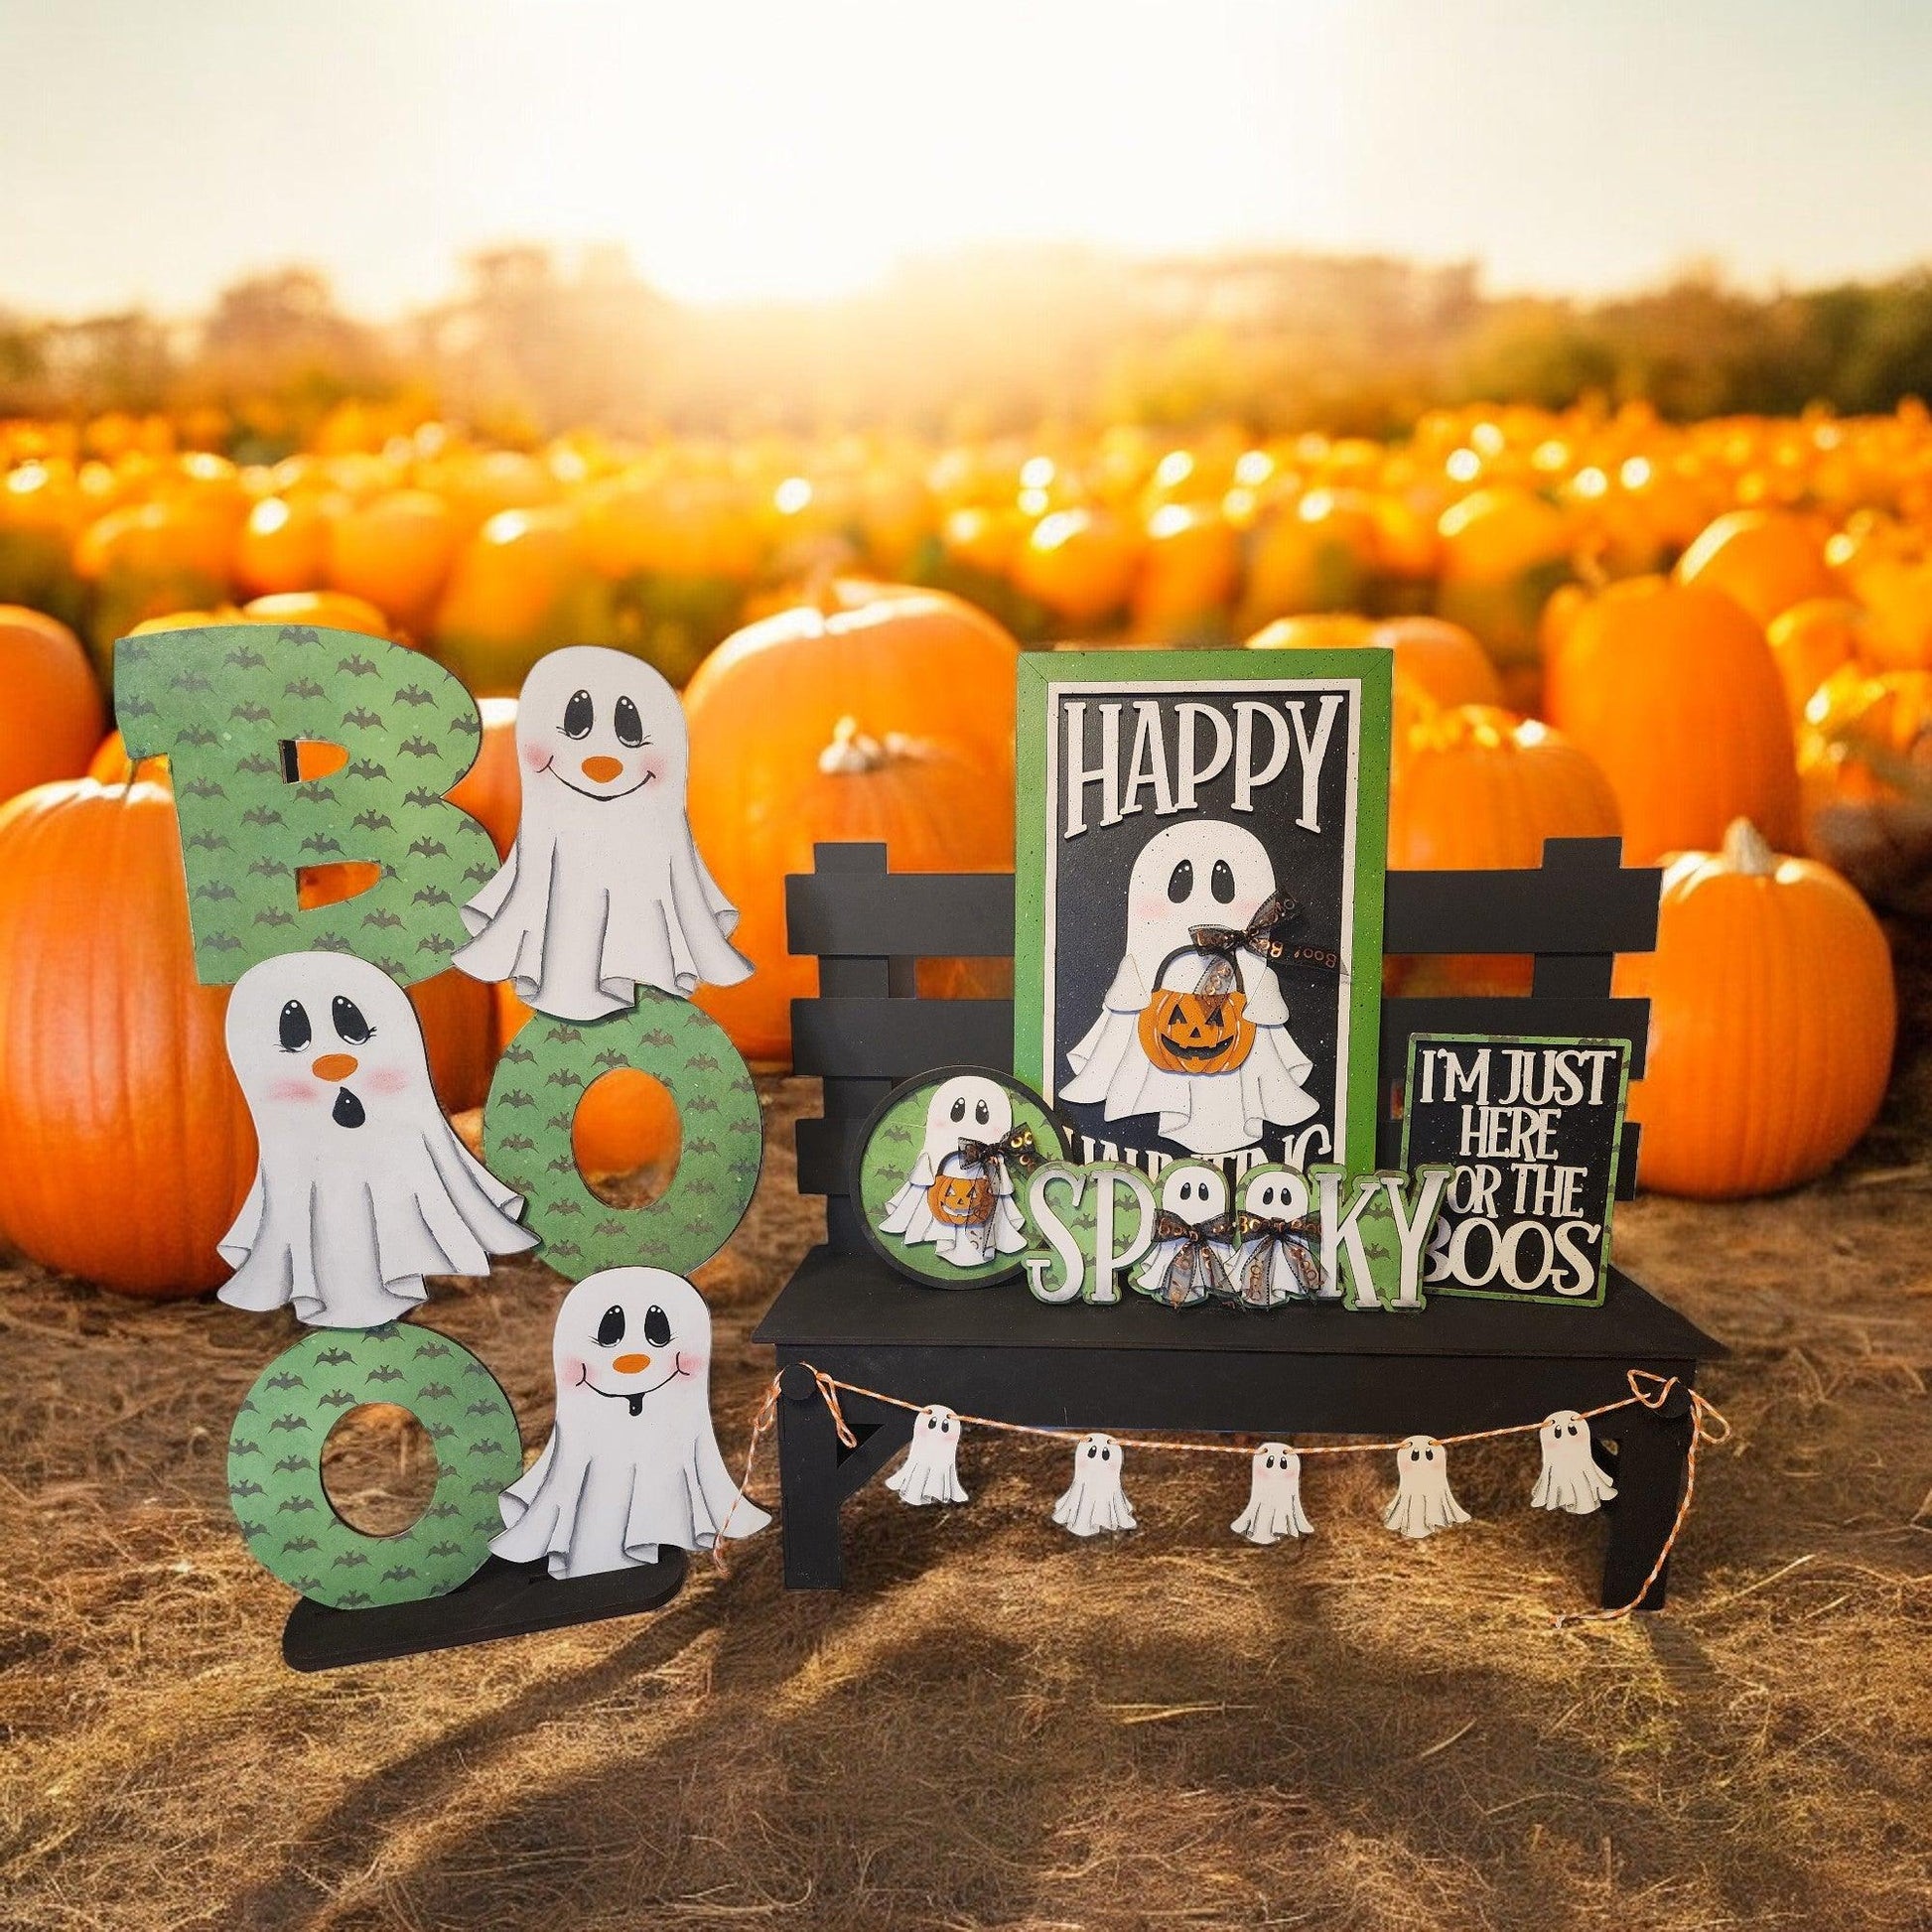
[(1710, 639)]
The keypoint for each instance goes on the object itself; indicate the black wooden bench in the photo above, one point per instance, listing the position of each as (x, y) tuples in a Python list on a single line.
[(1462, 1364)]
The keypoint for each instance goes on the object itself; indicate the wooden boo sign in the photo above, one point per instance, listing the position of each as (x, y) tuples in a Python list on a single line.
[(1532, 1126)]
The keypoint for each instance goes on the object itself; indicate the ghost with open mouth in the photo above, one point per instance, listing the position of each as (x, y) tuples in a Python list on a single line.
[(603, 889), (632, 1463), (362, 1186), (1193, 1027)]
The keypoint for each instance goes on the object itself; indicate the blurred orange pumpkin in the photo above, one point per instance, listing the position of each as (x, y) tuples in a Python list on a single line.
[(50, 712), (1773, 1020), (1768, 560), (125, 1147), (1672, 689), (395, 552)]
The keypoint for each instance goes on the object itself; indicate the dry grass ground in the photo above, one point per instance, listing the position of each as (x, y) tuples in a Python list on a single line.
[(994, 1725)]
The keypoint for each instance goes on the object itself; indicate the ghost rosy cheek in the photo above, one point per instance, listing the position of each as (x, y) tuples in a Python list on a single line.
[(534, 756), (690, 1362), (388, 1079), (570, 1371), (292, 1090), (649, 769), (1146, 911)]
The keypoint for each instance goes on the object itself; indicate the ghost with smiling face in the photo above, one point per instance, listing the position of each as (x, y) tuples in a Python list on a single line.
[(1571, 1477), (959, 1195), (632, 1463), (1192, 1239), (603, 889), (1095, 1502), (362, 1187), (1139, 1057)]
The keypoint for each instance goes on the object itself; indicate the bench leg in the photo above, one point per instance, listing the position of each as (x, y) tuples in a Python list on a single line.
[(817, 1472), (809, 1489), (1652, 1452)]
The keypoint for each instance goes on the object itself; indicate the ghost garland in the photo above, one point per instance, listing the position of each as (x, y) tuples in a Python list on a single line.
[(1193, 1026), (603, 889), (1570, 1478), (1423, 1503), (1274, 1497), (930, 1471), (362, 1187), (1095, 1503)]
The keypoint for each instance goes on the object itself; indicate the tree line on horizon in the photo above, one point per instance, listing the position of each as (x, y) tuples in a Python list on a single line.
[(530, 345)]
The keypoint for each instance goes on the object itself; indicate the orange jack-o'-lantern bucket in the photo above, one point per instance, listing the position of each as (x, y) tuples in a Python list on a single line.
[(1205, 1030)]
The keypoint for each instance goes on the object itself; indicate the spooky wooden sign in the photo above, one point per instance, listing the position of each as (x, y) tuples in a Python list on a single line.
[(1199, 902), (1533, 1128)]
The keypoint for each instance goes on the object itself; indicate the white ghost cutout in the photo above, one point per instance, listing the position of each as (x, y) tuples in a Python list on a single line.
[(1277, 1260), (362, 1187), (1204, 871), (962, 1208), (604, 891), (1274, 1497), (1095, 1502), (632, 1461), (1422, 1503), (1192, 1246), (1571, 1477), (930, 1471)]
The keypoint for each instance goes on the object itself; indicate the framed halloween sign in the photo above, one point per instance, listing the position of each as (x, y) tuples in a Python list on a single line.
[(1198, 902)]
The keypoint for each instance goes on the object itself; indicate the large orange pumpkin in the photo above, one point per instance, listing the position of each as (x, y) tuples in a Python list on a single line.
[(491, 791), (50, 714), (396, 553), (760, 803), (1772, 1020), (1477, 787), (125, 1147), (1673, 691)]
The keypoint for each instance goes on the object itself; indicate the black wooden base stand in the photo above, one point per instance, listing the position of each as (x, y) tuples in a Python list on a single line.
[(502, 1600)]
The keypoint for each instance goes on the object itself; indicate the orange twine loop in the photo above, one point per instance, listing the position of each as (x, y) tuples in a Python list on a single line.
[(1651, 1391)]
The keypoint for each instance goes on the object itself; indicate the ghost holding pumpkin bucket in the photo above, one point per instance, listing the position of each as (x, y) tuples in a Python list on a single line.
[(604, 891), (959, 1195), (1193, 1027)]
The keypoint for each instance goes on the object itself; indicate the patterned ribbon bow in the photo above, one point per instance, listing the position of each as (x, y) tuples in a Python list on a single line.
[(1296, 1241), (1259, 936), (1196, 1272), (1017, 1150)]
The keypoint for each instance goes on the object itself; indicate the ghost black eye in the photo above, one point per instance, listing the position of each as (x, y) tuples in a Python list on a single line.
[(628, 724), (658, 1327), (578, 715), (932, 1422), (980, 1115), (959, 1109), (1092, 1452), (609, 1331), (1181, 882), (348, 1021), (292, 1026), (1220, 882)]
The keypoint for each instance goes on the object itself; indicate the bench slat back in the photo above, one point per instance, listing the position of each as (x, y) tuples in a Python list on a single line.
[(867, 1030)]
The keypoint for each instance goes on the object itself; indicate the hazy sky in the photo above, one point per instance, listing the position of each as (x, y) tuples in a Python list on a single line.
[(151, 149)]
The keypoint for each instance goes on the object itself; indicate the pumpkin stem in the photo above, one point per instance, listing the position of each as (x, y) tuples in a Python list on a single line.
[(853, 750), (1748, 851)]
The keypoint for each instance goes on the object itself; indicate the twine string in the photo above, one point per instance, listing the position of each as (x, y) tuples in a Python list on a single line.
[(1649, 1390)]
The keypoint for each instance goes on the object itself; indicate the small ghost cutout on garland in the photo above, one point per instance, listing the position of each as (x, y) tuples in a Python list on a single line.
[(1423, 1503), (930, 1471), (1274, 1497), (1095, 1502), (1570, 1478)]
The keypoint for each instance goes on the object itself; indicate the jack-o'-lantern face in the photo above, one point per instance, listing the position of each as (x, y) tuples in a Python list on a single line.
[(961, 1201), (1197, 1030)]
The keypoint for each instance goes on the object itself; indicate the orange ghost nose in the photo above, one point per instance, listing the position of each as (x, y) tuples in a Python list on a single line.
[(631, 1364), (600, 771), (334, 1066)]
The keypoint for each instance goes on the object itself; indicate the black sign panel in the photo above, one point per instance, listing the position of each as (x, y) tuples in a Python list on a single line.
[(1532, 1128)]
